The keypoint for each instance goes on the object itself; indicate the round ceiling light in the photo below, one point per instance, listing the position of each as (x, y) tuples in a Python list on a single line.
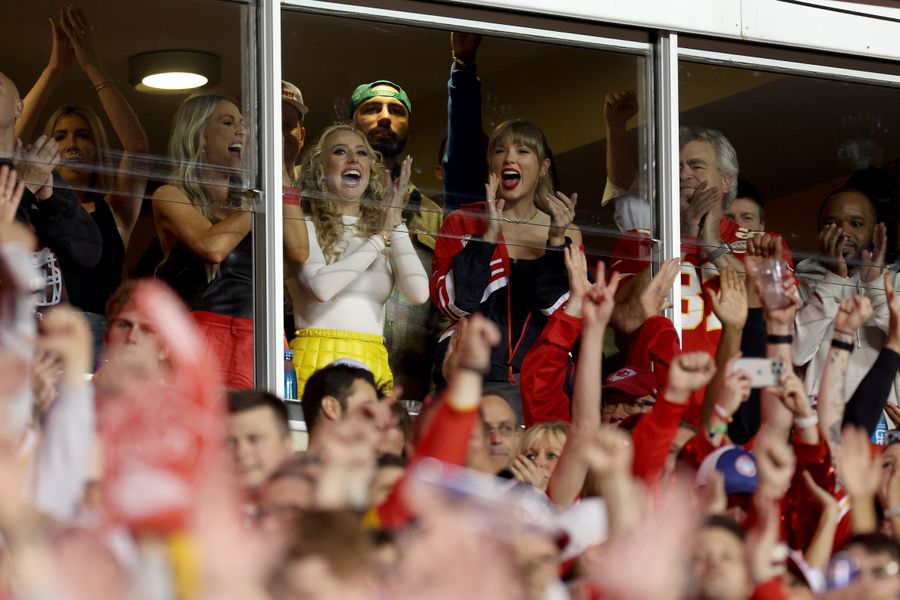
[(173, 71)]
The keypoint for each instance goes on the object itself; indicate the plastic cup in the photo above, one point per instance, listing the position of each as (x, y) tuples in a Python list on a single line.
[(770, 274)]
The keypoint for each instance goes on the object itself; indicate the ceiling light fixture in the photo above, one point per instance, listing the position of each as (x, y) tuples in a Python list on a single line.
[(173, 71)]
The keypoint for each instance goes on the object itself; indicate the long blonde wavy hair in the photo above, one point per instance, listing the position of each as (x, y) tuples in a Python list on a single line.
[(103, 176), (186, 151), (322, 206)]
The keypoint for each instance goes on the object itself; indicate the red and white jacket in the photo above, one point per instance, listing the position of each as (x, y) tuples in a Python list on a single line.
[(470, 275)]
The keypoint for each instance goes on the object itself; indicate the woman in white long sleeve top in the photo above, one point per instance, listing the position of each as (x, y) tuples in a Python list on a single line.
[(359, 249)]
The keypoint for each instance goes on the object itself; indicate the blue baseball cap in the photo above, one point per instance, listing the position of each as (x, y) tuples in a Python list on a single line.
[(736, 464)]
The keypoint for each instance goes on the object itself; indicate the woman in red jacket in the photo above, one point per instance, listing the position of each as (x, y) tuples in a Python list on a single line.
[(503, 257)]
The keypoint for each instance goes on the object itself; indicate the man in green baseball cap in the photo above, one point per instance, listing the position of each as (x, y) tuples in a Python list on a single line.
[(381, 110)]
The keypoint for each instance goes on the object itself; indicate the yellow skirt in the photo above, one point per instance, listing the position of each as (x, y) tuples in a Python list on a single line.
[(315, 348)]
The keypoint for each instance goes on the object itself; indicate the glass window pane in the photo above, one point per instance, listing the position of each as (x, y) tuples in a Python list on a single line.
[(153, 183), (561, 89)]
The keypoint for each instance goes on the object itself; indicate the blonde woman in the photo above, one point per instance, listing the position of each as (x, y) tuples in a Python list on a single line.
[(109, 185), (540, 449), (359, 249), (203, 223)]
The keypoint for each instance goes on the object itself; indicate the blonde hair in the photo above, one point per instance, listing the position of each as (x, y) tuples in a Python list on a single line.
[(558, 430), (528, 134), (186, 151), (322, 206), (103, 175)]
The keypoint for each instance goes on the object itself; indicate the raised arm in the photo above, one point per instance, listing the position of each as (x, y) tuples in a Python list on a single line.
[(852, 313), (61, 58), (464, 164), (597, 306), (176, 217), (130, 183), (868, 401), (729, 304), (618, 108)]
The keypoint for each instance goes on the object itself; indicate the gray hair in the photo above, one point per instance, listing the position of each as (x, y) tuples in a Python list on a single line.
[(726, 157)]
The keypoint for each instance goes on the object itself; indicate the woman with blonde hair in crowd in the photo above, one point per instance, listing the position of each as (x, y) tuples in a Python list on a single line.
[(359, 249), (539, 453), (203, 222), (111, 189)]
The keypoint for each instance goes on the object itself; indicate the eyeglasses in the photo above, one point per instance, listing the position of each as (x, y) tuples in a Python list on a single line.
[(631, 408), (505, 429)]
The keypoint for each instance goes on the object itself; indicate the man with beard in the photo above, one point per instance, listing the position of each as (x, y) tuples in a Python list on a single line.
[(850, 262), (381, 110)]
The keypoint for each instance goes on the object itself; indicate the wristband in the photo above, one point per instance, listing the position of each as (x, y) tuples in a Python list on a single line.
[(842, 345), (290, 196), (722, 413), (779, 339), (103, 84), (893, 511), (806, 422), (460, 62), (724, 248), (718, 430)]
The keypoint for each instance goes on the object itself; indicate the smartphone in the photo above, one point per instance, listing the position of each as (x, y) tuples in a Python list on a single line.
[(764, 372)]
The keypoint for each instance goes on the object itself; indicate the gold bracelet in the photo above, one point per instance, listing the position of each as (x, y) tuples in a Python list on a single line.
[(386, 238), (104, 84)]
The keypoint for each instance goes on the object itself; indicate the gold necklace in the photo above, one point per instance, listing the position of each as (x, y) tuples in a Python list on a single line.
[(520, 221)]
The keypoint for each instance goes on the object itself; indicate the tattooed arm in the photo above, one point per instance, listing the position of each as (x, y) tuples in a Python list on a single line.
[(852, 313)]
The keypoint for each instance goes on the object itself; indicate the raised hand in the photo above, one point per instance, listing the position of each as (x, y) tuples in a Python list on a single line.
[(465, 46), (689, 371), (476, 340), (650, 296), (80, 33), (61, 53), (35, 166), (494, 209), (600, 300), (11, 192), (576, 267), (860, 472), (831, 248), (781, 319), (873, 262), (776, 462), (561, 209), (395, 191), (823, 498), (619, 106), (852, 313), (736, 388), (608, 452), (793, 395), (730, 301)]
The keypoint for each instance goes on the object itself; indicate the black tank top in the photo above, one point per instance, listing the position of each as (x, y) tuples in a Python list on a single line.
[(89, 289)]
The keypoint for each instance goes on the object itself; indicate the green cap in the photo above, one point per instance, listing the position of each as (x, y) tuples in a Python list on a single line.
[(365, 92)]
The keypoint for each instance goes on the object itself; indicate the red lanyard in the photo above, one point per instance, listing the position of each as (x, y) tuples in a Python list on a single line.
[(510, 350)]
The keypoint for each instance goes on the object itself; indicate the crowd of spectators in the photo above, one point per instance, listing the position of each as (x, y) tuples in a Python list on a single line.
[(571, 444)]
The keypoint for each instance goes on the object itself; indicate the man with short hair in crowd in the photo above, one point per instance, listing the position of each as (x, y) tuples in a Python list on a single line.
[(334, 391), (258, 435)]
